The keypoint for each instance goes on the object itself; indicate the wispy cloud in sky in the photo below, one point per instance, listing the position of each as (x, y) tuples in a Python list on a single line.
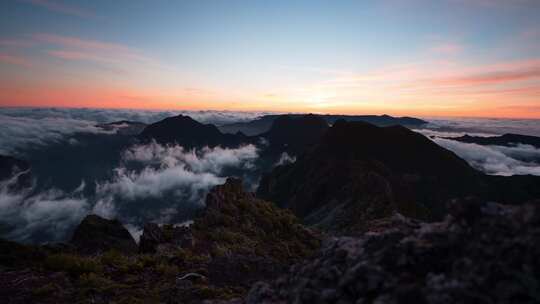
[(449, 48), (62, 8), (494, 76), (15, 60), (76, 48)]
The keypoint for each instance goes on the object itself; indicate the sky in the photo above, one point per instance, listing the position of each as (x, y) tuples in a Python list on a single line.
[(477, 58)]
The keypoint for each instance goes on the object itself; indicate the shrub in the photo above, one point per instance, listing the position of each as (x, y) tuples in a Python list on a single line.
[(74, 265)]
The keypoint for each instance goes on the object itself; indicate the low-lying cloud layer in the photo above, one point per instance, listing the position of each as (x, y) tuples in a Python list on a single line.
[(496, 160), (173, 170), (152, 183), (49, 215), (486, 126), (145, 116), (25, 127), (18, 133)]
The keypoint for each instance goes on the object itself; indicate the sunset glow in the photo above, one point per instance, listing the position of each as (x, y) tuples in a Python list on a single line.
[(424, 58)]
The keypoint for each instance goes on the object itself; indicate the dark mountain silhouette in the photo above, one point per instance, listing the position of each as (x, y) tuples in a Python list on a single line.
[(378, 120), (190, 133), (503, 140), (358, 172), (293, 134), (264, 123)]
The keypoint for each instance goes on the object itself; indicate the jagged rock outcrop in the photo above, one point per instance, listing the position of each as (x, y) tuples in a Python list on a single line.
[(481, 253), (235, 223), (97, 235)]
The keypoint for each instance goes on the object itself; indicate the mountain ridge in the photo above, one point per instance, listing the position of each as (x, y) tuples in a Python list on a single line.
[(263, 124)]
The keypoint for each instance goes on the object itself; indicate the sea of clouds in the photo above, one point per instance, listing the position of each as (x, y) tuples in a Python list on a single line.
[(23, 127), (153, 183), (518, 159), (165, 184)]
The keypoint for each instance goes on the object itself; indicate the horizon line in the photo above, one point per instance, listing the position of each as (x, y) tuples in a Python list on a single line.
[(263, 111)]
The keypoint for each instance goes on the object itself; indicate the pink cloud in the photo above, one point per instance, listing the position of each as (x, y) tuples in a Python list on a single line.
[(448, 48), (492, 77), (75, 55), (61, 8), (14, 60), (16, 43), (87, 44), (75, 48)]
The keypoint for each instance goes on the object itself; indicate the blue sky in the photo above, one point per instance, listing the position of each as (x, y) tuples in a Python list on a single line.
[(427, 57)]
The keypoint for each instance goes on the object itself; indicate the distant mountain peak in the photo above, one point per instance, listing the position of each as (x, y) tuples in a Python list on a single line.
[(186, 131)]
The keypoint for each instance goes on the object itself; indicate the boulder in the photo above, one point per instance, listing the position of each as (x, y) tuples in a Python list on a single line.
[(97, 235)]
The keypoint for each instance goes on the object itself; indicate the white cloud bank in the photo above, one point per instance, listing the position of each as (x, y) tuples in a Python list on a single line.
[(496, 160), (153, 183), (18, 133), (28, 127), (27, 216), (174, 170)]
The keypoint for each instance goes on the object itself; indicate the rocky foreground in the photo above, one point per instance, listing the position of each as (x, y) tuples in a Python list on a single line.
[(244, 250), (481, 253)]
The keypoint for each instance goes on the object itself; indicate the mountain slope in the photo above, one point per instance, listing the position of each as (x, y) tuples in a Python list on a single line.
[(359, 171)]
